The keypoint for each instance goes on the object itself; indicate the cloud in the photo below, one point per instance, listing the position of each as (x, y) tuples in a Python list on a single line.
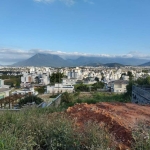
[(10, 56)]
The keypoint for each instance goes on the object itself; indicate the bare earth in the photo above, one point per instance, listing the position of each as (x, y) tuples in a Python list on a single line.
[(122, 118)]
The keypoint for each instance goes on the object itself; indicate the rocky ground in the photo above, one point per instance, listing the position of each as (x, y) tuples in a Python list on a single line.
[(120, 118)]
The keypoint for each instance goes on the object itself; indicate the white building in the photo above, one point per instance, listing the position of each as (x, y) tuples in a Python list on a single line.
[(60, 88), (118, 86)]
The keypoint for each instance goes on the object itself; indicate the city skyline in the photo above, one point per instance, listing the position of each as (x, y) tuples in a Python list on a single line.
[(74, 27)]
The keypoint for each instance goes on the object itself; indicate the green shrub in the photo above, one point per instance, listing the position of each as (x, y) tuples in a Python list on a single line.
[(66, 97), (30, 99)]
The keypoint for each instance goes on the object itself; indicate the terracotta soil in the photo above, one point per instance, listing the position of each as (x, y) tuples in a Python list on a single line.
[(121, 118)]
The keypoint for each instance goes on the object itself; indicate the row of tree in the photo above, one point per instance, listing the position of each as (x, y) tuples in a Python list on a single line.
[(140, 81)]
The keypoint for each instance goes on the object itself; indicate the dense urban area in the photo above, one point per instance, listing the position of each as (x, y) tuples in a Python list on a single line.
[(44, 108)]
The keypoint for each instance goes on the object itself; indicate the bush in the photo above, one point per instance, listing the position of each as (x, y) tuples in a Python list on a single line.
[(66, 97), (81, 87), (30, 99)]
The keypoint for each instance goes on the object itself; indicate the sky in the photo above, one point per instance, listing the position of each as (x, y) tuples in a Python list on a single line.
[(74, 27)]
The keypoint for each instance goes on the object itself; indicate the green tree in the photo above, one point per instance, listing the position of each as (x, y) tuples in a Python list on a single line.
[(66, 97), (97, 79), (130, 75), (129, 88), (56, 77), (139, 81), (97, 85), (30, 99), (81, 87)]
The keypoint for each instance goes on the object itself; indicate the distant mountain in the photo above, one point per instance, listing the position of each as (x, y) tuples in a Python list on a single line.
[(57, 61), (113, 65), (146, 64), (44, 60), (95, 64), (106, 65), (125, 61)]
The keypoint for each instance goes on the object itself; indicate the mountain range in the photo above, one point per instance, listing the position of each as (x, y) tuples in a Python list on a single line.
[(145, 64), (51, 60)]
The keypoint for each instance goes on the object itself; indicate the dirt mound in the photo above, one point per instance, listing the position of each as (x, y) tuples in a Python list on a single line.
[(121, 118)]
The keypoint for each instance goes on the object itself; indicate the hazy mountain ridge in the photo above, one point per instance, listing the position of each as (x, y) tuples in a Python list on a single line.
[(51, 60), (44, 60), (125, 61), (146, 64), (106, 65)]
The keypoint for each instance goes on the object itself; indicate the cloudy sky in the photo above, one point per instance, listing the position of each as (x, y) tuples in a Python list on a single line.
[(74, 27)]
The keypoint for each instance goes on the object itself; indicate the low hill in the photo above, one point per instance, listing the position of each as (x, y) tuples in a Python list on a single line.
[(113, 65)]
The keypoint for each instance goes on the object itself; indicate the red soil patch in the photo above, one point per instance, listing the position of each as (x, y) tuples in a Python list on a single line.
[(121, 118)]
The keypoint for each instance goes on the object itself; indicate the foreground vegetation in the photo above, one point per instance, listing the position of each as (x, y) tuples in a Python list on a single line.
[(69, 99), (38, 129), (46, 129)]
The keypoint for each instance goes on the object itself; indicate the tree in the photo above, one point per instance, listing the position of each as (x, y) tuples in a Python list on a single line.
[(66, 97), (130, 75), (139, 81), (97, 79), (97, 85), (56, 77), (30, 99), (82, 87), (129, 88)]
